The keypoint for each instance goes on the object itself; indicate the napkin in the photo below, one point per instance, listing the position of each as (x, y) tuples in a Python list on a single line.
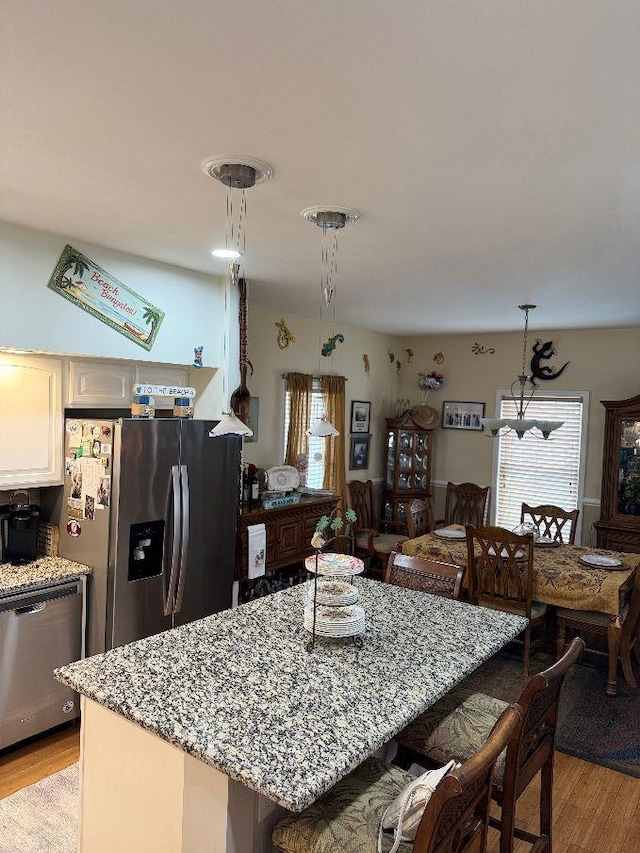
[(257, 550)]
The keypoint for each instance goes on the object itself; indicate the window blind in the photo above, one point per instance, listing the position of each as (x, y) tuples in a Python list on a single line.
[(315, 444), (534, 471)]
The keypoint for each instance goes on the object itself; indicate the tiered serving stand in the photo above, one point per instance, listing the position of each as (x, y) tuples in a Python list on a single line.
[(332, 611)]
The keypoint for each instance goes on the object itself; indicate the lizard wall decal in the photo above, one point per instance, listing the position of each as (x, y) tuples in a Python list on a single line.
[(541, 351)]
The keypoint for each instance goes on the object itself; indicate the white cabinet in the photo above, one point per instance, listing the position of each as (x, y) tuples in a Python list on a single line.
[(162, 374), (100, 383), (109, 384), (31, 422)]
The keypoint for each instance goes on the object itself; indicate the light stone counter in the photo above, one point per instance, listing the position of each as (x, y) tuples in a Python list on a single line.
[(42, 572), (239, 692)]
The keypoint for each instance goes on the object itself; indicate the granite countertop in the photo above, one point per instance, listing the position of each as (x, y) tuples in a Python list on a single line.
[(42, 572), (239, 691)]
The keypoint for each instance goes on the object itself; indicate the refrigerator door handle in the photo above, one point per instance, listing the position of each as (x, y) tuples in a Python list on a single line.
[(184, 549), (175, 545)]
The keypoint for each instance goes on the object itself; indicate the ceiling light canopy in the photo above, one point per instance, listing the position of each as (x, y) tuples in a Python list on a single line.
[(237, 174), (331, 219), (522, 390)]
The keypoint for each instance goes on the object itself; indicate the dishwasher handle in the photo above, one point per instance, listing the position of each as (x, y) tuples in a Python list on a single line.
[(33, 601), (30, 608)]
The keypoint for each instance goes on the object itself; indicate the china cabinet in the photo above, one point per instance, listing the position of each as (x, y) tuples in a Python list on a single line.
[(619, 524), (408, 467)]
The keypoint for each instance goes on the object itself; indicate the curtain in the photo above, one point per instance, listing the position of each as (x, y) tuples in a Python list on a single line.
[(300, 386), (332, 388)]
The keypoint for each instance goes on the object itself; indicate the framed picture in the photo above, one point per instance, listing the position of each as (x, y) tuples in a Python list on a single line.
[(456, 415), (359, 457), (360, 416)]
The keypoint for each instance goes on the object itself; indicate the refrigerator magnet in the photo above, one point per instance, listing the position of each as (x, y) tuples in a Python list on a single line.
[(105, 449), (73, 527), (87, 429), (106, 431)]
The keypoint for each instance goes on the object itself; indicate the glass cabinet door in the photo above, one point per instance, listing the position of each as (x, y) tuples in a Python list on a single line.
[(629, 468)]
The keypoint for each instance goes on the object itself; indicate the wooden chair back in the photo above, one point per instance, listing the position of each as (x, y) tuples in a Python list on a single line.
[(466, 503), (500, 574), (531, 748), (443, 579), (457, 815), (552, 521), (362, 501), (420, 518), (500, 569)]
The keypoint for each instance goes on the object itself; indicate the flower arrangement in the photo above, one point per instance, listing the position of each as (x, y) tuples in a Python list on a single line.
[(431, 381), (334, 523)]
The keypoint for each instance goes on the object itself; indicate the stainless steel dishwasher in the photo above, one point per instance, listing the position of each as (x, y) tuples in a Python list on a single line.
[(39, 630)]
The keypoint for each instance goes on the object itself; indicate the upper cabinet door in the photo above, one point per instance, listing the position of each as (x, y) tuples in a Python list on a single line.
[(95, 383), (31, 422)]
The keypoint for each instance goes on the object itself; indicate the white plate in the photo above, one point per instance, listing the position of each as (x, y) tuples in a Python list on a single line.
[(333, 592), (544, 542), (519, 555), (600, 561), (283, 478), (446, 533), (334, 565)]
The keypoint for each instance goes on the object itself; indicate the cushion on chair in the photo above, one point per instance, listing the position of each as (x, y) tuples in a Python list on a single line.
[(347, 818), (595, 617), (385, 543), (443, 732), (538, 609)]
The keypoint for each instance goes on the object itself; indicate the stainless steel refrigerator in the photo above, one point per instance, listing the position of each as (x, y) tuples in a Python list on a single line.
[(151, 506)]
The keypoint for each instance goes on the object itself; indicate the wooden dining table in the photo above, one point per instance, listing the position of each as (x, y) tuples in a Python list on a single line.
[(559, 580)]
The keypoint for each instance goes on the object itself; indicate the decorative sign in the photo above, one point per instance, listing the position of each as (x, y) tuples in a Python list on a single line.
[(88, 286), (164, 390)]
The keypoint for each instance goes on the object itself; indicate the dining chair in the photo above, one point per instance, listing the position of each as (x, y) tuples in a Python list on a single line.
[(552, 521), (455, 817), (419, 515), (458, 724), (371, 545), (444, 579), (626, 639), (466, 503), (500, 576)]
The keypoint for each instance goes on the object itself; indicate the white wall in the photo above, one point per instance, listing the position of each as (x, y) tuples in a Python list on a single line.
[(34, 317)]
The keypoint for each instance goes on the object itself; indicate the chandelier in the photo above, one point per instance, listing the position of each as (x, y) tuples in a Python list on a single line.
[(331, 221), (522, 390)]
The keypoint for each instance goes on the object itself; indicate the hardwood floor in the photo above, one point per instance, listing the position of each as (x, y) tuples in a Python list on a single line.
[(25, 765), (595, 809)]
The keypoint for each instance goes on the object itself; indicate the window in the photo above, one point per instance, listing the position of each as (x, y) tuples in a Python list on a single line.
[(316, 445), (534, 471)]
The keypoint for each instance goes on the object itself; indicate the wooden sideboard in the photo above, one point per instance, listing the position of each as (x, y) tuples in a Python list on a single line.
[(289, 531)]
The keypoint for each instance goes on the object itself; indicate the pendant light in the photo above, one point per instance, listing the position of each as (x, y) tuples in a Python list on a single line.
[(331, 219), (522, 390), (237, 175)]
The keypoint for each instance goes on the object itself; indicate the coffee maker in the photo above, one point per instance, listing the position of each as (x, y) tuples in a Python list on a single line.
[(19, 526)]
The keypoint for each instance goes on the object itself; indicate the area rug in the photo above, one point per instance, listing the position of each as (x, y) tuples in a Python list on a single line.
[(42, 818), (591, 725)]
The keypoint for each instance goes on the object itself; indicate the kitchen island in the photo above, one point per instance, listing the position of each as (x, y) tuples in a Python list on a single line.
[(180, 728)]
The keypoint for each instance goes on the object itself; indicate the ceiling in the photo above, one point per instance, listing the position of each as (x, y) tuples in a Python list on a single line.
[(492, 149)]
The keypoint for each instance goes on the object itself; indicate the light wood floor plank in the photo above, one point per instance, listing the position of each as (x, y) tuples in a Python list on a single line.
[(595, 808), (28, 764)]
